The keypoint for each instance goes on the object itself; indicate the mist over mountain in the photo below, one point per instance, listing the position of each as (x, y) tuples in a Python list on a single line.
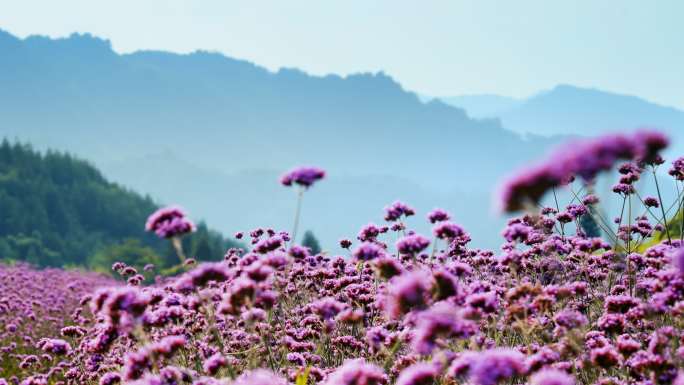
[(483, 106), (567, 109), (212, 133)]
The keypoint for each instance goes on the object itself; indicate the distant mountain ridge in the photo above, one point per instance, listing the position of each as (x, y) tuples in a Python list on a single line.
[(227, 117), (483, 106), (568, 109)]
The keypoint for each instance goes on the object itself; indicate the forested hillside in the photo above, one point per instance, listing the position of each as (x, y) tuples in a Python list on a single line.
[(58, 210)]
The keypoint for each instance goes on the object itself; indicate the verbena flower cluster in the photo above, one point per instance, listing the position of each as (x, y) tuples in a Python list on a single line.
[(302, 176), (169, 222), (553, 306), (40, 318), (583, 158)]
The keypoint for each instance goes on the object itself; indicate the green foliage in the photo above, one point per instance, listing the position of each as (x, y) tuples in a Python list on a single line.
[(130, 252), (589, 226), (676, 225), (311, 242), (57, 210)]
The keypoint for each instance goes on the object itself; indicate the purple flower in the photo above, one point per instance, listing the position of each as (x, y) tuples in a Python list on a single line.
[(678, 259), (345, 243), (492, 366), (517, 232), (369, 232), (623, 189), (408, 291), (442, 320), (110, 378), (680, 378), (396, 210), (677, 169), (570, 319), (377, 337), (447, 230), (576, 210), (269, 244), (585, 159), (169, 222), (627, 345), (368, 251), (619, 303), (552, 377), (486, 301), (116, 303), (388, 267), (564, 217), (446, 284), (651, 202), (421, 373), (590, 199), (605, 356), (303, 176), (54, 346), (356, 372), (328, 307), (214, 363), (412, 244), (203, 274), (259, 377), (438, 215), (298, 252)]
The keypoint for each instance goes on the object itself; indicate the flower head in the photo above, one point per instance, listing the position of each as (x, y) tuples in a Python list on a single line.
[(408, 291), (368, 251), (168, 222), (447, 230), (396, 210), (552, 377), (494, 365), (259, 377), (421, 373), (585, 159), (438, 215), (356, 372), (678, 259), (441, 320), (302, 176), (412, 244)]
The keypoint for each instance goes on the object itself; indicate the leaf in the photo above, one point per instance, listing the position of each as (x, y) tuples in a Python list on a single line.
[(303, 378)]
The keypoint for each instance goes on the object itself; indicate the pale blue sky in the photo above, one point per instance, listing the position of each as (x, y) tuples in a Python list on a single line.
[(507, 47)]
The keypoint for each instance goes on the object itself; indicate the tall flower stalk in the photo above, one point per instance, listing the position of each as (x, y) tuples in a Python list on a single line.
[(171, 223), (298, 212), (662, 206), (303, 178)]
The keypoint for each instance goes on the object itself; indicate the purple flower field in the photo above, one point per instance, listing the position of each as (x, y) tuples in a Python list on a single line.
[(553, 306)]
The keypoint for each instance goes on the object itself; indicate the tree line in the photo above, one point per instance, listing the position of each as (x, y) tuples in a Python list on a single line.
[(58, 210)]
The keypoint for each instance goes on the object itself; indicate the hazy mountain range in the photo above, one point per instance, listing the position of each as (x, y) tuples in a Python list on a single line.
[(567, 109), (213, 133)]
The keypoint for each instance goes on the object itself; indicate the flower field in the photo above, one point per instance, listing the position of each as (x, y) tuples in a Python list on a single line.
[(554, 305)]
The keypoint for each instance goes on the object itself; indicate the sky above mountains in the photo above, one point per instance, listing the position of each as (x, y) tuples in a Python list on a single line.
[(440, 48)]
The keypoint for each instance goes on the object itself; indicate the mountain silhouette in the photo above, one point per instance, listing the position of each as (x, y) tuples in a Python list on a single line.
[(567, 109), (221, 130)]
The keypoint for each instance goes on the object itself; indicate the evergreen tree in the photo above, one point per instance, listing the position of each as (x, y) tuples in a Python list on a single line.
[(57, 210), (589, 226), (311, 242)]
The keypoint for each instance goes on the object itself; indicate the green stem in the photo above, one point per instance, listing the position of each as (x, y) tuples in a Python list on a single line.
[(178, 246), (681, 213), (662, 207), (298, 210)]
